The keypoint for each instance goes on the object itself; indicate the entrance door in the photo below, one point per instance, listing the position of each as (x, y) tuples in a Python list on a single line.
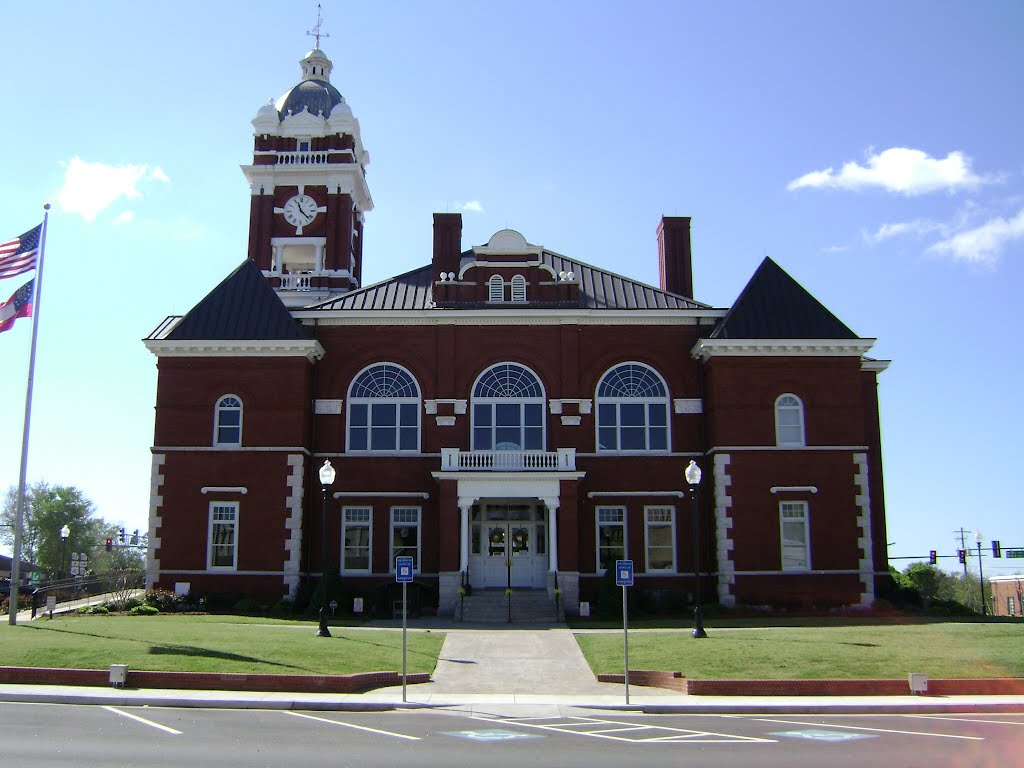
[(508, 557)]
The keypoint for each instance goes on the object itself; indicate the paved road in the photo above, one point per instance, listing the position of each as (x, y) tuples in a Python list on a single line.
[(55, 736)]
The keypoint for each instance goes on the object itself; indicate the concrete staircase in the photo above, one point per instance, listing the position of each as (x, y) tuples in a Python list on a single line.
[(492, 606)]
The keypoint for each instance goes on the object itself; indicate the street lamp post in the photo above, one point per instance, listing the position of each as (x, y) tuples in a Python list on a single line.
[(327, 475), (692, 473), (64, 533), (981, 575)]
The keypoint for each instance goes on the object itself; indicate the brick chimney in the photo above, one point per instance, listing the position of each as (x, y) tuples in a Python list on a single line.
[(674, 264), (447, 243)]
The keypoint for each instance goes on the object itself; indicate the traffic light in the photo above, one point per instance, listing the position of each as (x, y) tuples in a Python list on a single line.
[(997, 549), (110, 544), (933, 557), (962, 554), (120, 536)]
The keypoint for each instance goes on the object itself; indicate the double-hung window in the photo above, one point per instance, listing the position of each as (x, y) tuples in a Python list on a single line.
[(222, 537), (632, 410), (660, 533), (356, 536), (405, 535), (384, 411), (611, 537), (227, 426), (789, 421), (795, 532)]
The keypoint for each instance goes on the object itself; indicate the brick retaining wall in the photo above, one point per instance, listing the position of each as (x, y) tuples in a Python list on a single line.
[(211, 680)]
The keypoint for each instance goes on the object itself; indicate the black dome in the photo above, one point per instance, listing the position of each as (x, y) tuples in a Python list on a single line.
[(315, 95)]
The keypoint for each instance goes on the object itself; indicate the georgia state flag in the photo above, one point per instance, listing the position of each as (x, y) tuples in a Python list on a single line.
[(19, 305)]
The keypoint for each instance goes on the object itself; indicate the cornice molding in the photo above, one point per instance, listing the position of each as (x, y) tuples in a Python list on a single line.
[(707, 348), (406, 317), (311, 350)]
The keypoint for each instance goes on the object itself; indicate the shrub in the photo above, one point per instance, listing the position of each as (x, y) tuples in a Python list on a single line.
[(144, 610), (168, 602), (249, 605), (284, 607)]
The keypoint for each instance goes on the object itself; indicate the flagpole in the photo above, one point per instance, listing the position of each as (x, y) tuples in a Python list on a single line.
[(12, 605)]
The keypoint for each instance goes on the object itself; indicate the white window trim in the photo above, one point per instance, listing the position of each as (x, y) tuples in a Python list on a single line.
[(356, 524), (518, 289), (645, 401), (803, 425), (234, 505), (597, 534), (216, 421), (807, 535), (397, 401), (417, 566), (647, 525)]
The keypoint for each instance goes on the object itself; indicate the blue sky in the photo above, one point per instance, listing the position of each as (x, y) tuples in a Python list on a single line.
[(873, 149)]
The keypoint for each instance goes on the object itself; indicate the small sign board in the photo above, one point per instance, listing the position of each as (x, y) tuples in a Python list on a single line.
[(1014, 552), (403, 570), (624, 573)]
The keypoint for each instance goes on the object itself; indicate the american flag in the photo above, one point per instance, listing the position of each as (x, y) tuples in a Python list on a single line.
[(19, 305), (19, 255)]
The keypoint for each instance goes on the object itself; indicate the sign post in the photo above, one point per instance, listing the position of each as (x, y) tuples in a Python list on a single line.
[(403, 575), (624, 578)]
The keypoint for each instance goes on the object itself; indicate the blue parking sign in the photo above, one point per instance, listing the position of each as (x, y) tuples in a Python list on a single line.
[(624, 573), (403, 570)]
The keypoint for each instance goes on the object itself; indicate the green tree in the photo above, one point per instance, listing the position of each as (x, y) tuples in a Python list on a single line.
[(48, 508), (929, 581)]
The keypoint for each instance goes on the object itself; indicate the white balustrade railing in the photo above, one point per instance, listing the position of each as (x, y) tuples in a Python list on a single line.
[(296, 282), (456, 460), (301, 158)]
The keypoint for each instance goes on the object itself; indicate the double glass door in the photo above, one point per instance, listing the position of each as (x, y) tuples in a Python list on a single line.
[(508, 547)]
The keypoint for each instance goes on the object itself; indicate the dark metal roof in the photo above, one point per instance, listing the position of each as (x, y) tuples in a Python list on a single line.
[(775, 306), (315, 95), (599, 289), (243, 306)]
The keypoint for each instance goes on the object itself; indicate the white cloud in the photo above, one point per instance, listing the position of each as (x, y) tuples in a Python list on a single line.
[(124, 217), (898, 169), (90, 188), (474, 206), (917, 227), (982, 244)]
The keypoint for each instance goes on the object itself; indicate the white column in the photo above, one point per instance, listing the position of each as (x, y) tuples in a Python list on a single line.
[(552, 505), (464, 505), (320, 257)]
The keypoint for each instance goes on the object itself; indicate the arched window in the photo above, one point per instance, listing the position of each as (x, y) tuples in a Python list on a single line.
[(789, 420), (508, 410), (227, 421), (632, 410), (495, 288), (384, 410), (518, 288)]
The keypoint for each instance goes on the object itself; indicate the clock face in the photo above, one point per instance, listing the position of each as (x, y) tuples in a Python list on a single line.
[(300, 210)]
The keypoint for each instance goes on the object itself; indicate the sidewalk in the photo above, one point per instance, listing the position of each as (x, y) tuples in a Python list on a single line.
[(508, 670)]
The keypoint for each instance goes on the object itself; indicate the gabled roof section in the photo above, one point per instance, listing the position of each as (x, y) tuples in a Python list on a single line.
[(599, 289), (242, 307), (775, 306)]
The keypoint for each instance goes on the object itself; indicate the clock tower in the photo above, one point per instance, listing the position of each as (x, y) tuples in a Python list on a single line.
[(308, 189)]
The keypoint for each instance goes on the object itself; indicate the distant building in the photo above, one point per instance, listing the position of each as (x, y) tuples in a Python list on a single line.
[(1007, 595), (508, 416)]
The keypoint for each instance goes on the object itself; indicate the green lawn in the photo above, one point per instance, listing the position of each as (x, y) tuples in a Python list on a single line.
[(211, 644), (942, 650)]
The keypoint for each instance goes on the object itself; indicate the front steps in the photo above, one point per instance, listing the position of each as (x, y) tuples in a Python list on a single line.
[(523, 606)]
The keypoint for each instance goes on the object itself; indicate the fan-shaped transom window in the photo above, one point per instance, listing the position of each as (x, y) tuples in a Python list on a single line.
[(384, 410), (227, 426), (632, 410), (789, 420), (508, 410)]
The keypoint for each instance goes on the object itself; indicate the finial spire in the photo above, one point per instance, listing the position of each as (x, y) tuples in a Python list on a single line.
[(315, 31)]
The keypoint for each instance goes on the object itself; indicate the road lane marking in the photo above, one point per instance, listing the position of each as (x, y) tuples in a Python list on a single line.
[(967, 719), (353, 725), (572, 726), (143, 720), (876, 730)]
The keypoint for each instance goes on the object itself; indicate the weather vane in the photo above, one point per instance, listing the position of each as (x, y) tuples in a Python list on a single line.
[(315, 31)]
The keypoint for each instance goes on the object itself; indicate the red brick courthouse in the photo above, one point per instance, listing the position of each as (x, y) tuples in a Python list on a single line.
[(506, 415)]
